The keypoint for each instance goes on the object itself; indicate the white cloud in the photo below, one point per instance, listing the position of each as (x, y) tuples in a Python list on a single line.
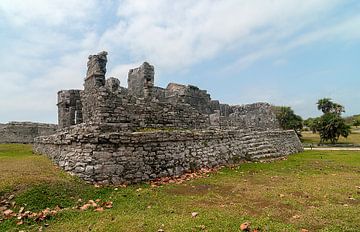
[(178, 34), (44, 53), (52, 13), (47, 42), (344, 31)]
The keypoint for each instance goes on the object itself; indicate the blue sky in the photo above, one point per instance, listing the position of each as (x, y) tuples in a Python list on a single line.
[(279, 51)]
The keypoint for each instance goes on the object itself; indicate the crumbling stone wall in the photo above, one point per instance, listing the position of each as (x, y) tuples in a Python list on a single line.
[(192, 95), (188, 130), (131, 157), (95, 75), (257, 116), (225, 110), (69, 108), (141, 81), (143, 105), (115, 105), (24, 132)]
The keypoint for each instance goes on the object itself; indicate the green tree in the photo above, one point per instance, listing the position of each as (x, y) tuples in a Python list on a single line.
[(312, 124), (331, 125), (356, 122), (288, 120), (327, 106)]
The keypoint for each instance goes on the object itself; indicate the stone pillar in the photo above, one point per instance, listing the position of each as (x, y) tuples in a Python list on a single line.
[(141, 81), (112, 84), (69, 108), (95, 76)]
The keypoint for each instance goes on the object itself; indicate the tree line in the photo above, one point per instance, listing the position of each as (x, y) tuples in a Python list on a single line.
[(330, 125)]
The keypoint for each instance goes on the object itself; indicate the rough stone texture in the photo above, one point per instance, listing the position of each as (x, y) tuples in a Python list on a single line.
[(113, 158), (141, 81), (69, 108), (131, 113), (111, 142), (96, 65), (257, 116), (112, 84), (192, 95), (24, 132), (95, 75)]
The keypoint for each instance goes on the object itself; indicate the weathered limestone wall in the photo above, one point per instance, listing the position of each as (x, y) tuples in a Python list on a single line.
[(95, 75), (111, 142), (108, 104), (113, 104), (143, 105), (113, 158), (24, 132), (192, 95), (69, 108), (95, 79), (257, 116), (141, 80)]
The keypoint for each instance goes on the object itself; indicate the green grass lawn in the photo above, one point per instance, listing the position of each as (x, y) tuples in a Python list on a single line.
[(315, 190), (309, 137)]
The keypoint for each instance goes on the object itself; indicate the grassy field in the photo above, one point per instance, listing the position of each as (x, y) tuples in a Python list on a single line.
[(317, 191), (309, 137)]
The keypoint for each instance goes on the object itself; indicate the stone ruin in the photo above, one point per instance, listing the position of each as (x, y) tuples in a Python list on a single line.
[(111, 135), (24, 132)]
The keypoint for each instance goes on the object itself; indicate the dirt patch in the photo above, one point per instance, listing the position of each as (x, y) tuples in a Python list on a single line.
[(198, 189), (352, 201), (301, 195), (262, 207), (252, 206)]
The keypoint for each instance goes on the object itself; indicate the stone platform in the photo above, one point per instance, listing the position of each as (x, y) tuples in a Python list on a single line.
[(131, 157), (111, 134)]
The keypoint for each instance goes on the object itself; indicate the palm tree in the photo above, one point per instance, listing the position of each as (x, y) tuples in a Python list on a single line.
[(327, 106)]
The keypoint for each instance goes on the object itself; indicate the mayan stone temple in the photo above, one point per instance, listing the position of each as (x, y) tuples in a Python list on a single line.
[(109, 134)]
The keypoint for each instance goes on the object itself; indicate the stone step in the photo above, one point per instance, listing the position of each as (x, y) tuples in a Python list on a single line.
[(260, 152), (257, 144), (255, 141), (265, 156), (259, 147), (250, 137)]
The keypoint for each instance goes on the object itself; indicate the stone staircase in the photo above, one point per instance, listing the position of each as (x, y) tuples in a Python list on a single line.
[(256, 147)]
